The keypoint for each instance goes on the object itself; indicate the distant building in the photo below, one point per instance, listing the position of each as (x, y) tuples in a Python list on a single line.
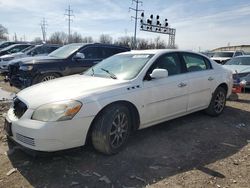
[(245, 48)]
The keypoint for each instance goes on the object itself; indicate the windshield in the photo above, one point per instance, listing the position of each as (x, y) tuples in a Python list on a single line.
[(223, 54), (122, 66), (65, 51), (239, 61)]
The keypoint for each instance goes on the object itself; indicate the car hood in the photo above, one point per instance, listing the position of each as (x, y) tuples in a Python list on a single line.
[(75, 87), (238, 68), (35, 60)]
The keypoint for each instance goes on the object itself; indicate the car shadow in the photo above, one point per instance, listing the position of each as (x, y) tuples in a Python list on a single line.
[(151, 154)]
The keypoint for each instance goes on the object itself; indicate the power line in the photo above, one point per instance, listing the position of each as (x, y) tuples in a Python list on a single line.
[(135, 18), (69, 14), (44, 28)]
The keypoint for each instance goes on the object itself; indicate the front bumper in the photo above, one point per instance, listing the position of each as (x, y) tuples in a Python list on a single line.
[(48, 136), (20, 82)]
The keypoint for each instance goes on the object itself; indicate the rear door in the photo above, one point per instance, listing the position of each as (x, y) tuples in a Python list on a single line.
[(200, 76)]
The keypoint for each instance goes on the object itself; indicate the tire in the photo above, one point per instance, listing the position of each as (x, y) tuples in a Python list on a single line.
[(217, 103), (111, 129), (45, 77)]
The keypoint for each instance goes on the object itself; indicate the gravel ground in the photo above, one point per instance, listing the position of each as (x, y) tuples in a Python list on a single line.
[(192, 151)]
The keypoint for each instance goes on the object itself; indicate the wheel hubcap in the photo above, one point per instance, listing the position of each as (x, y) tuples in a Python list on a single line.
[(119, 130), (219, 102), (47, 78)]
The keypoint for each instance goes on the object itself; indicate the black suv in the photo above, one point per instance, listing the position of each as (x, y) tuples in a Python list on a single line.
[(69, 59)]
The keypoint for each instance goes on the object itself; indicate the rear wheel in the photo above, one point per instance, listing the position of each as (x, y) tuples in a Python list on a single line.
[(217, 103), (111, 129)]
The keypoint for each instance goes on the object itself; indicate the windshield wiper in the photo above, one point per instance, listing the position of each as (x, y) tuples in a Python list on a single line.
[(112, 75), (93, 72)]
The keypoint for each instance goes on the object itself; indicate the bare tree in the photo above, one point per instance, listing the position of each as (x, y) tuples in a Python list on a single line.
[(3, 32), (75, 37), (37, 40), (88, 39), (142, 44), (106, 39), (124, 41), (160, 44), (58, 38)]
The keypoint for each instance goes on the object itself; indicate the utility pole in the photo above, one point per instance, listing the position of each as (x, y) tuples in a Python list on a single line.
[(44, 28), (69, 14), (135, 18)]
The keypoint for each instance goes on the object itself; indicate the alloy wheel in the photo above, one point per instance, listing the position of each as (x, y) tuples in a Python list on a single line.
[(219, 102), (119, 130)]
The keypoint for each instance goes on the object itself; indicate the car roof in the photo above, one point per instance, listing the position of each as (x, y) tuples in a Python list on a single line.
[(14, 45), (243, 56), (232, 51), (160, 51), (103, 44)]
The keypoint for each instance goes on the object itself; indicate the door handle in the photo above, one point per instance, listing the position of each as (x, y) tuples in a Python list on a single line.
[(182, 84), (210, 78)]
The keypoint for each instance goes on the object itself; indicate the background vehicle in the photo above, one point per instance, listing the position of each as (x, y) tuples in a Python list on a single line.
[(69, 59), (6, 44), (42, 49), (208, 54), (128, 91), (14, 48), (223, 56), (240, 67)]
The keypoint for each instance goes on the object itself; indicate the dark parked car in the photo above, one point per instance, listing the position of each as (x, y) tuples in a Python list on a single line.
[(41, 49), (6, 44), (69, 59), (14, 48)]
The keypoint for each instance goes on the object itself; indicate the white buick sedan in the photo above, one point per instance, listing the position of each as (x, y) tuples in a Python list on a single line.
[(121, 94)]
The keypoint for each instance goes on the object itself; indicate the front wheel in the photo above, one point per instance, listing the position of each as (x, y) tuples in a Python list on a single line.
[(217, 103), (111, 129), (45, 77)]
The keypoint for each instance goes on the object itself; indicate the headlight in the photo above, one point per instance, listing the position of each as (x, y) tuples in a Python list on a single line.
[(26, 67), (58, 111)]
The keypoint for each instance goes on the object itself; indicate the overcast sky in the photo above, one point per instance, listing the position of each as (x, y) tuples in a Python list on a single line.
[(203, 24)]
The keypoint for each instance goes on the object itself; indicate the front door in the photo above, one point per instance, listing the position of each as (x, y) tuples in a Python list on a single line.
[(165, 97), (92, 55)]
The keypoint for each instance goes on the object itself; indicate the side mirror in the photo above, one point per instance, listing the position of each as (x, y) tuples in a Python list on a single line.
[(79, 56), (159, 73)]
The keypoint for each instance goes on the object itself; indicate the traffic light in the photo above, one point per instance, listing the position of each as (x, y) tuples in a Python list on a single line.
[(166, 23)]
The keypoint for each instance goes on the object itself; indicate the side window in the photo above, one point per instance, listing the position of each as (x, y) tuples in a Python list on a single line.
[(237, 54), (195, 62), (17, 49), (51, 49), (39, 50), (170, 62), (107, 51), (92, 53)]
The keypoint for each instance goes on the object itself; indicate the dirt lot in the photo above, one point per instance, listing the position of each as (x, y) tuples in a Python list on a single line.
[(192, 151)]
